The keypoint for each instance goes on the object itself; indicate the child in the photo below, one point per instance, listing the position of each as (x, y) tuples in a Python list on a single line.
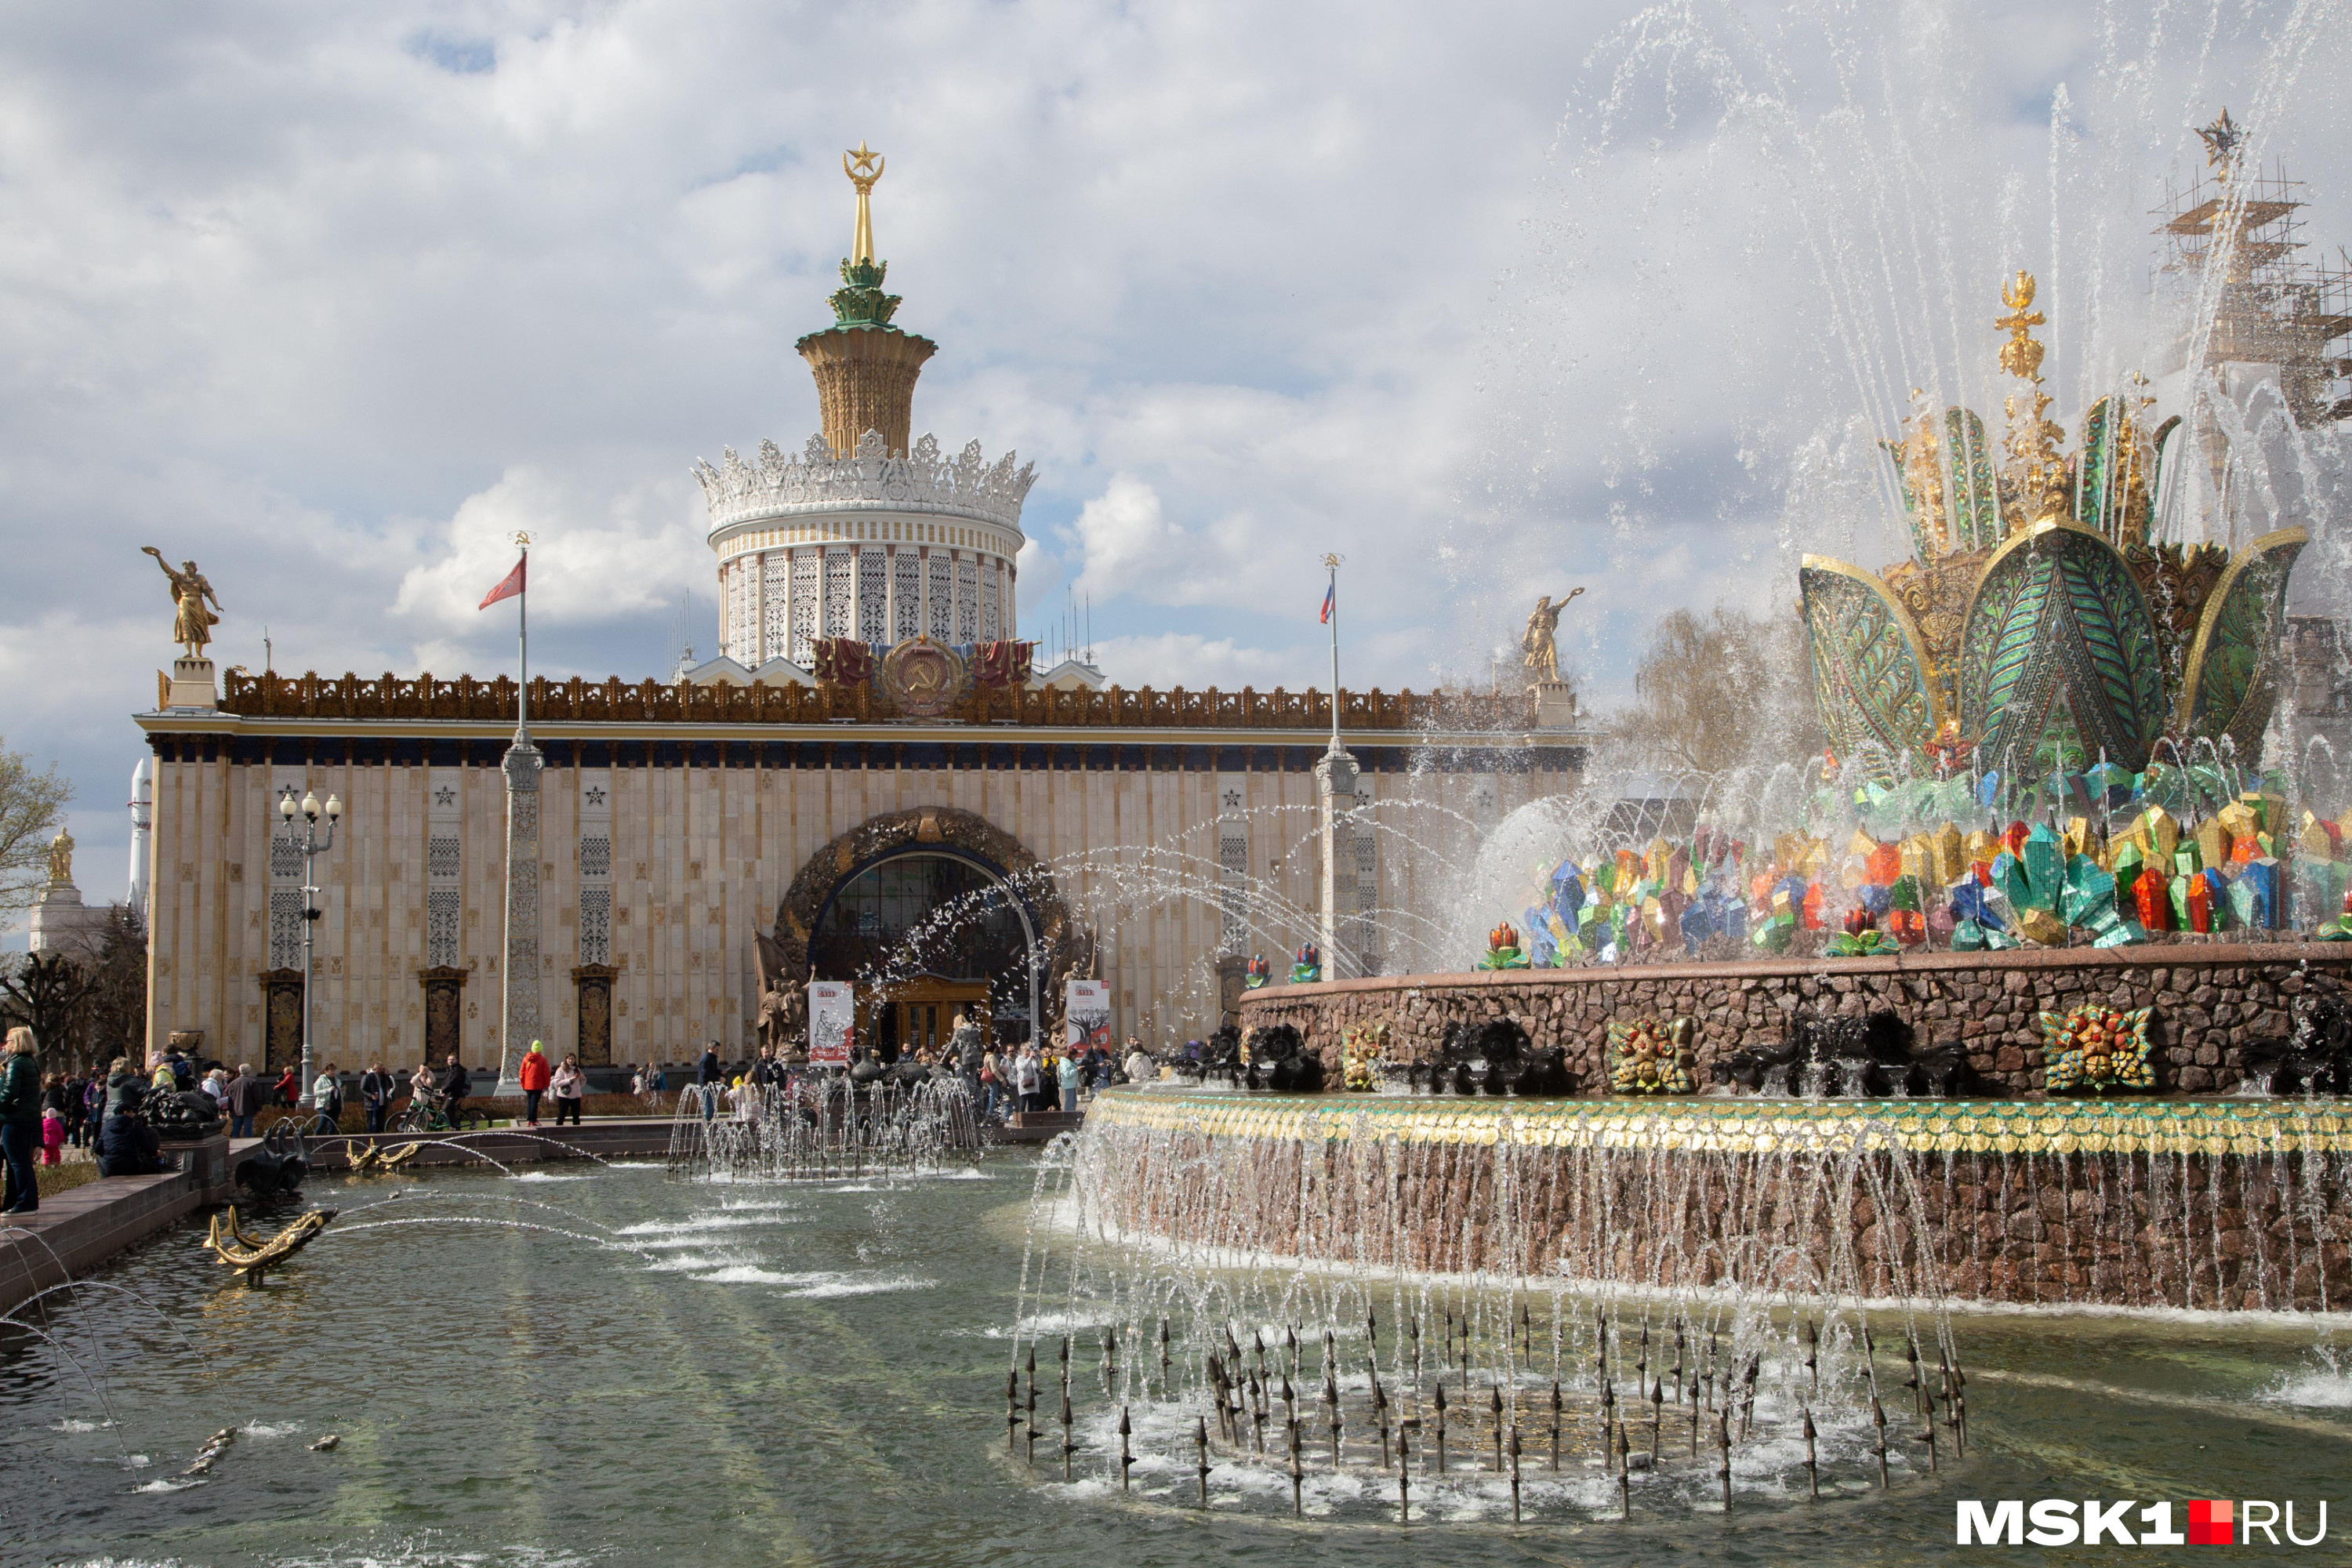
[(53, 1135)]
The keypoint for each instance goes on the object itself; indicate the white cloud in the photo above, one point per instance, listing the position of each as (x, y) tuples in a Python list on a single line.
[(591, 560), (1168, 659), (332, 298)]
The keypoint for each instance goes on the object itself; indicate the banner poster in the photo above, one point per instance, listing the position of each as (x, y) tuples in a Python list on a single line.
[(832, 1022), (1085, 1014)]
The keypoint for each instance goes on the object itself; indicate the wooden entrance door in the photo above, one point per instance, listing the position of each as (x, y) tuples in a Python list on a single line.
[(926, 1011)]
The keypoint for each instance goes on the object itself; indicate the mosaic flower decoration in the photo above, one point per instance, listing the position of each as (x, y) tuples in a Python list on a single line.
[(1868, 943), (1362, 1048), (1503, 950), (2097, 1050), (1647, 1055)]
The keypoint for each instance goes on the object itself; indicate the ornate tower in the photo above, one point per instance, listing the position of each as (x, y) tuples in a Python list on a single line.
[(865, 367), (864, 533)]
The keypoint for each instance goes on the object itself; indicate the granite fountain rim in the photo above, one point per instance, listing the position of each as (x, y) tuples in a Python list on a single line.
[(2212, 1125), (2163, 955)]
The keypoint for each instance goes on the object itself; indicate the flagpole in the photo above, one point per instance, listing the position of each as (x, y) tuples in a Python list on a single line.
[(1331, 564), (519, 973), (522, 653), (1335, 790)]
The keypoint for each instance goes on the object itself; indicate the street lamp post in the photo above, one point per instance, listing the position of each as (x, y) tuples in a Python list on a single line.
[(312, 847)]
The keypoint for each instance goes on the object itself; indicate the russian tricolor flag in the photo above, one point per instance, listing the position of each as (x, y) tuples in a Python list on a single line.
[(1330, 595)]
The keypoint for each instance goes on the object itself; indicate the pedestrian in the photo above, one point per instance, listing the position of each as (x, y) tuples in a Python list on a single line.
[(20, 1121), (376, 1089), (534, 1075), (570, 1086), (455, 1086), (991, 1079), (77, 1109), (289, 1086), (53, 1135), (124, 1089), (1027, 1076), (1139, 1062), (127, 1146), (245, 1100), (709, 1078), (326, 1099), (1073, 1073), (745, 1098)]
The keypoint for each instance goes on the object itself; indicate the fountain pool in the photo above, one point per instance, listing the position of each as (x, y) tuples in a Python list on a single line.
[(813, 1373)]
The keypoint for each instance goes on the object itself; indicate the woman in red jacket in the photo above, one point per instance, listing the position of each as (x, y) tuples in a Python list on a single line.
[(534, 1075)]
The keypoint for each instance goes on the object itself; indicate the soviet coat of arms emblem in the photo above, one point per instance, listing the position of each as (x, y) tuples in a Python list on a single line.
[(922, 677)]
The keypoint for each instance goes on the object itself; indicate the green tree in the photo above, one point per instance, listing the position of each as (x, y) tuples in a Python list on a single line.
[(31, 807)]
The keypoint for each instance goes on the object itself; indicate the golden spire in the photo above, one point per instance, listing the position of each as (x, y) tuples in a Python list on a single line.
[(2042, 477), (2021, 356), (864, 166)]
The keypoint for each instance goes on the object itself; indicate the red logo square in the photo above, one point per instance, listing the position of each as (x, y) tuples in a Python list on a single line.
[(2208, 1524)]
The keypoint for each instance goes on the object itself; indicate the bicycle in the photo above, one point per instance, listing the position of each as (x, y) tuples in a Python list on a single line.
[(428, 1118)]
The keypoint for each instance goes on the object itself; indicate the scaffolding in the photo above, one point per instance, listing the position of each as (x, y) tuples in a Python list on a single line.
[(2238, 238)]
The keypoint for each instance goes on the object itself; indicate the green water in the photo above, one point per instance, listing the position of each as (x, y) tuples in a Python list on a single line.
[(778, 1374)]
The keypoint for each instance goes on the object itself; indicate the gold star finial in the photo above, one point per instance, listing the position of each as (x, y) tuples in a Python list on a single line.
[(864, 166)]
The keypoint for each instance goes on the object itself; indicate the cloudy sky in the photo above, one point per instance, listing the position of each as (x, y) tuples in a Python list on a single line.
[(1491, 298)]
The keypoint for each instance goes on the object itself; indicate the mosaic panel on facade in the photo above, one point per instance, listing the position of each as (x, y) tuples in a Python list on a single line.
[(775, 606), (840, 589), (595, 925), (286, 927), (906, 595), (941, 597), (443, 907), (805, 590), (873, 596), (740, 640)]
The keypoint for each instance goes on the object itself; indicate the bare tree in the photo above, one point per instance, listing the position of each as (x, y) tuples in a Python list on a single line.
[(31, 805), (51, 993), (116, 1013), (1715, 691)]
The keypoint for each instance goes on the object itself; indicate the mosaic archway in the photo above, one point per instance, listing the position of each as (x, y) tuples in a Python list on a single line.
[(1064, 948)]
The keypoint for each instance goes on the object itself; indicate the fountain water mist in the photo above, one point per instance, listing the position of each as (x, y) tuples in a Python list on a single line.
[(824, 1127), (1483, 1303)]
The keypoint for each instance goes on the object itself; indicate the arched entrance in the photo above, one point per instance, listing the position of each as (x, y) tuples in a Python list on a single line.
[(927, 911), (926, 933)]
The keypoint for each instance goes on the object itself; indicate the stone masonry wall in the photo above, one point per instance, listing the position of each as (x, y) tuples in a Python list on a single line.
[(2214, 1004)]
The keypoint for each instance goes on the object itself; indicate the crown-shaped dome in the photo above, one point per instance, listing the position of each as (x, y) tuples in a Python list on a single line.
[(2035, 626)]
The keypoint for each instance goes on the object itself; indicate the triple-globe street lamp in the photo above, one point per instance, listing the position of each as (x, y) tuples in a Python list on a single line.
[(310, 810)]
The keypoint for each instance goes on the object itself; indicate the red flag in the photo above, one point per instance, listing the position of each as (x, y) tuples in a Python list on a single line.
[(506, 589)]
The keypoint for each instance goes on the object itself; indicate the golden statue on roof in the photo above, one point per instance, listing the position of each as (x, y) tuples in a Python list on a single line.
[(192, 624)]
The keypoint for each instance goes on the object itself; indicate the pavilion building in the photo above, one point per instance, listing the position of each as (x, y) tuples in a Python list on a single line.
[(870, 783)]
